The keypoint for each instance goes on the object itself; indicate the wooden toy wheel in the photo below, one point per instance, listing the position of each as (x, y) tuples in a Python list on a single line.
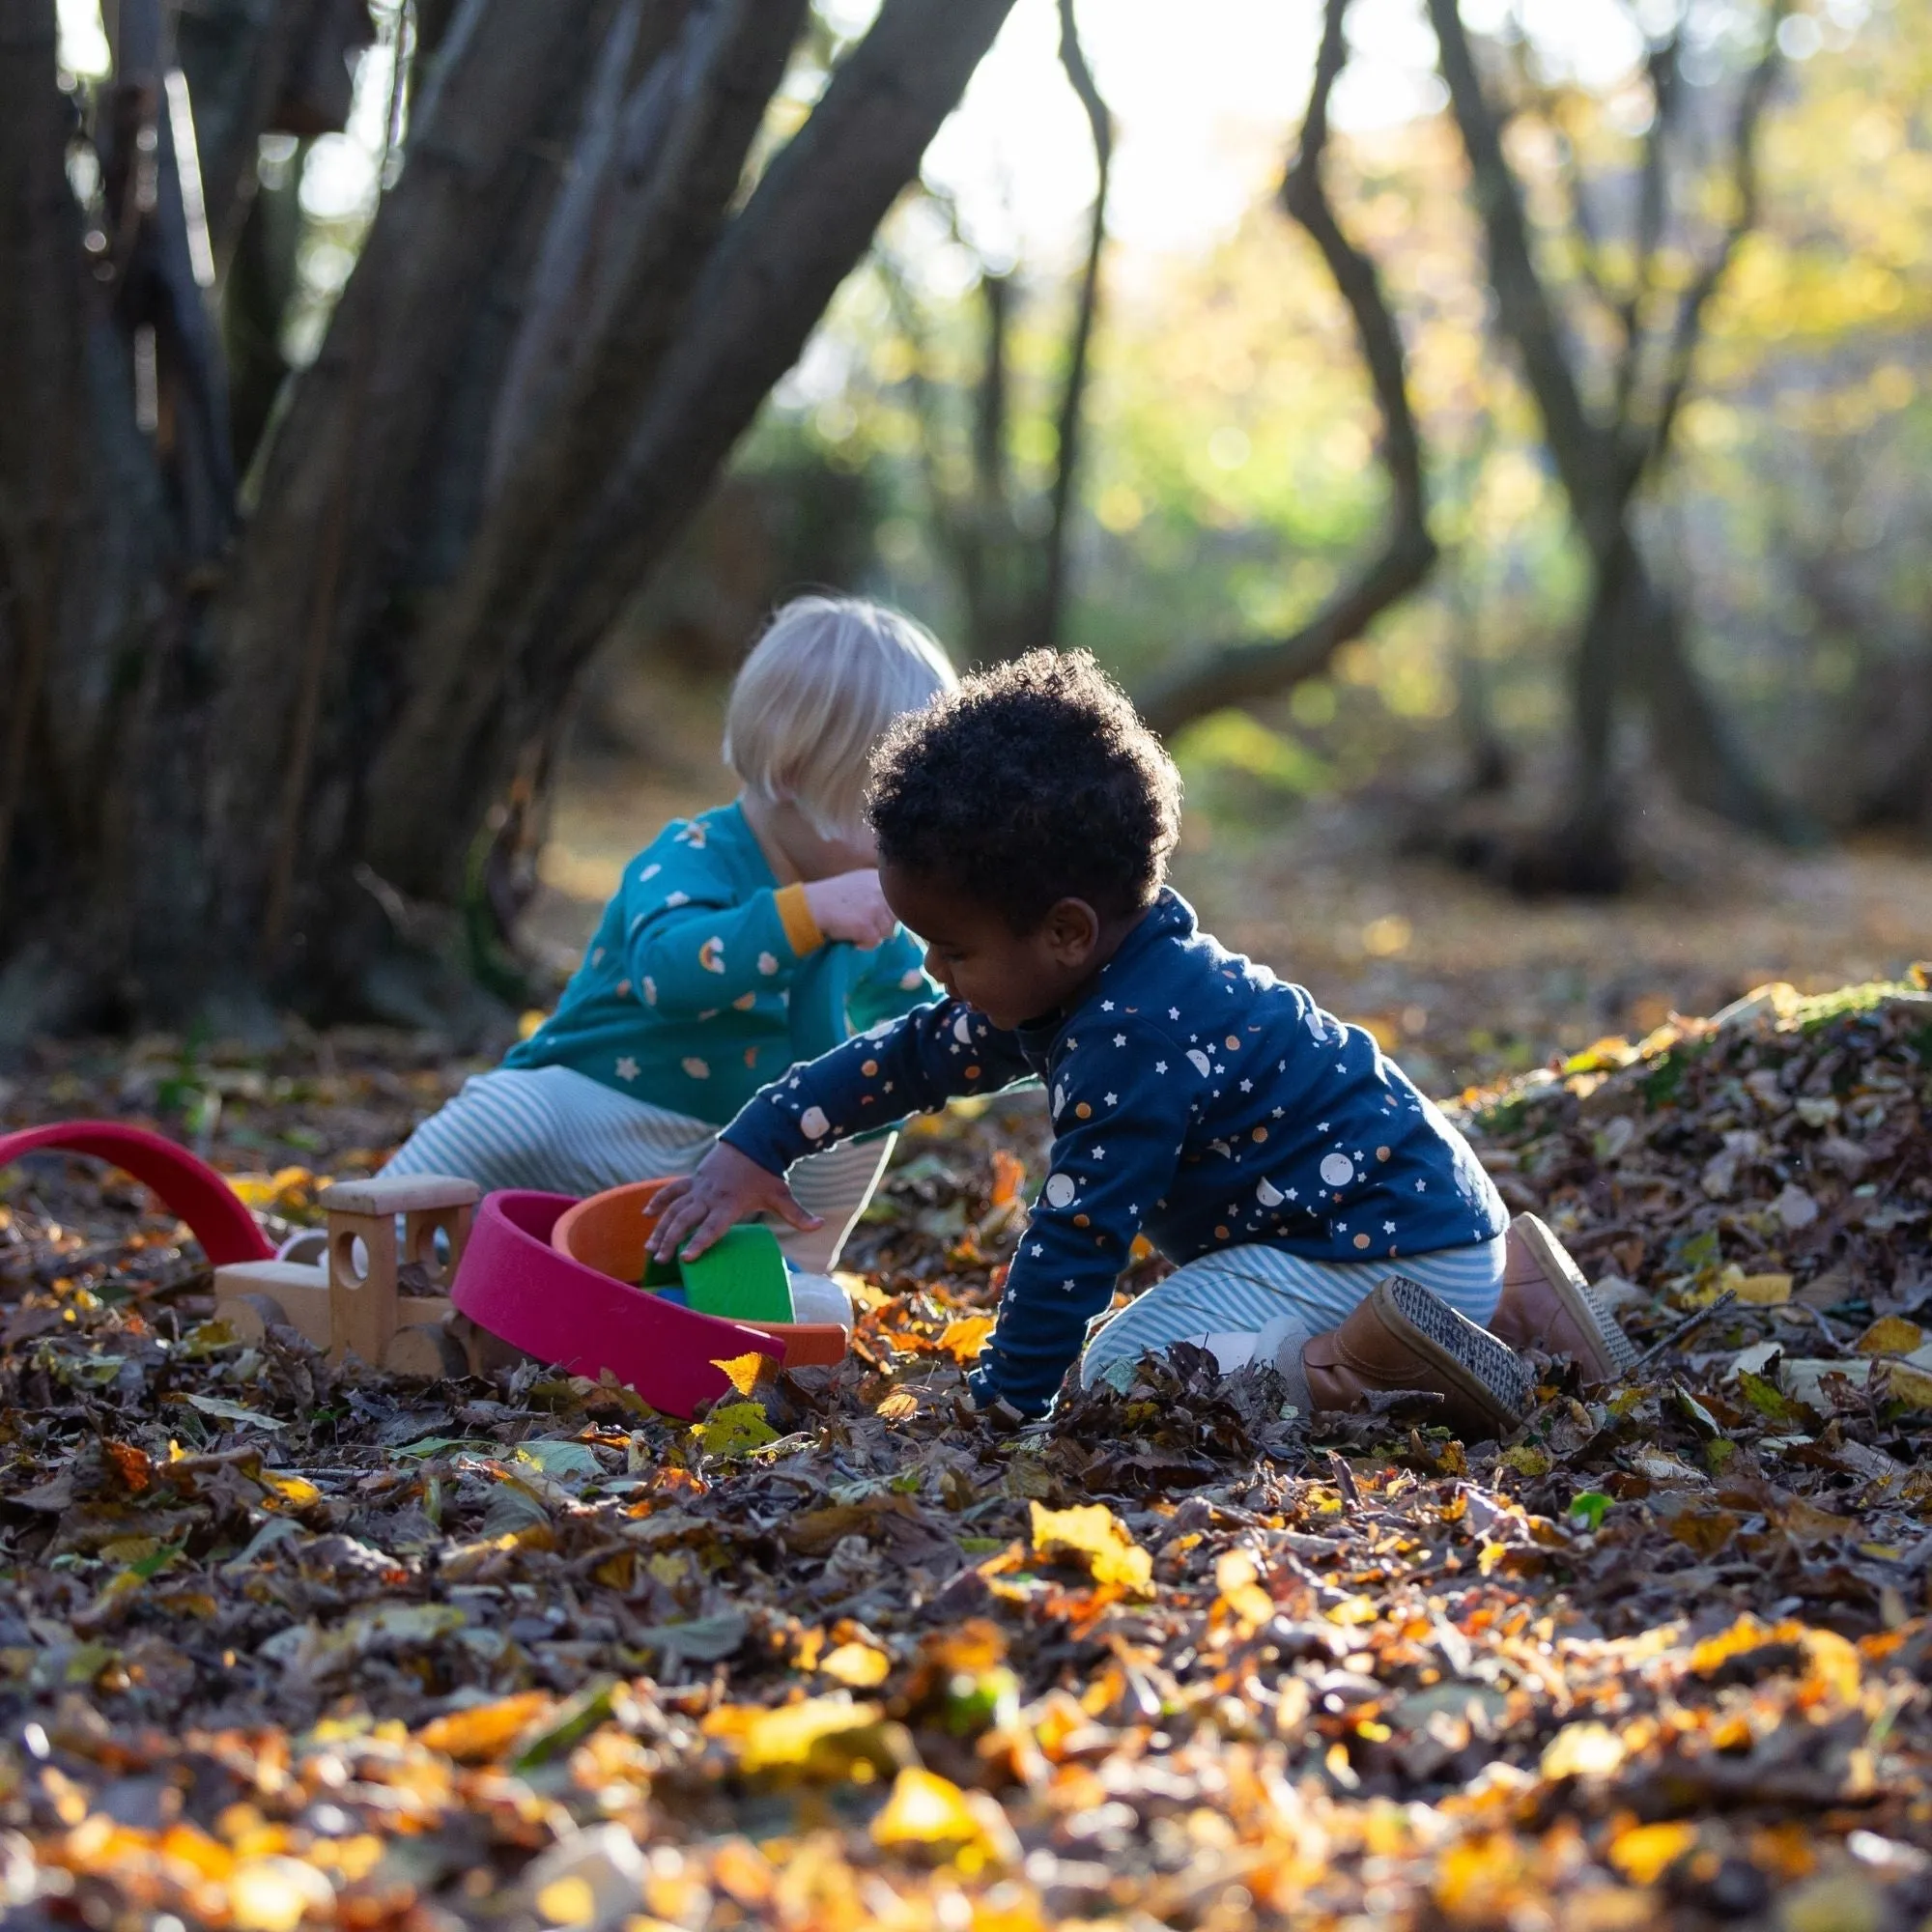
[(251, 1316), (426, 1349)]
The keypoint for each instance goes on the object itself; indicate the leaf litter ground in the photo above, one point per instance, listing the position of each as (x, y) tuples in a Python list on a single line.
[(283, 1646)]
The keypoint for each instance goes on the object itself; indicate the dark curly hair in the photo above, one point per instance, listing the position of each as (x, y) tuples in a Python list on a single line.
[(1033, 782)]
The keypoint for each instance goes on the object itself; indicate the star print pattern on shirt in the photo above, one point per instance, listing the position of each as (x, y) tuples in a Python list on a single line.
[(1144, 1117), (686, 990)]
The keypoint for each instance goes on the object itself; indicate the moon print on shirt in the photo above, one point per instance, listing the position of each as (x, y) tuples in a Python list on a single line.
[(711, 956), (1337, 1169), (1060, 1190), (1203, 1066), (1059, 1100), (1268, 1194), (962, 1028), (812, 1124)]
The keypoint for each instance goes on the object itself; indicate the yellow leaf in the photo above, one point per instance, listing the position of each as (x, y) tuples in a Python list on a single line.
[(865, 1295), (780, 1739), (568, 1900), (901, 1405), (1909, 1385), (296, 1491), (857, 1665), (743, 1371), (1646, 1852), (129, 1548), (1355, 1610), (275, 1894), (1831, 1667), (1763, 1291), (1582, 1751), (1238, 1581), (736, 1428), (964, 1337), (484, 1731), (1891, 1335), (1093, 1531), (1838, 1902), (1527, 1461), (924, 1810)]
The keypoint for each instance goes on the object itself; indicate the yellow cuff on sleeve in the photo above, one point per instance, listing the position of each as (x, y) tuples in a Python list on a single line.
[(801, 929)]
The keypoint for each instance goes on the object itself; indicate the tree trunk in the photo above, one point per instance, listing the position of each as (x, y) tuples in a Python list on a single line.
[(1632, 638), (486, 677), (232, 776), (1246, 669)]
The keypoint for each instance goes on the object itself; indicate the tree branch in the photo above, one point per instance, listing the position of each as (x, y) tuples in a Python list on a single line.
[(1237, 673), (1688, 327), (806, 224), (1663, 66), (1069, 420), (363, 416), (1584, 455)]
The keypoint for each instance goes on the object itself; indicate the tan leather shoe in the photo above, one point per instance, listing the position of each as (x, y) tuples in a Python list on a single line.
[(1546, 1304), (1404, 1337)]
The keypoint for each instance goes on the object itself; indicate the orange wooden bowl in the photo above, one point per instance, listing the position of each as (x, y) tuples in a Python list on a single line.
[(607, 1233)]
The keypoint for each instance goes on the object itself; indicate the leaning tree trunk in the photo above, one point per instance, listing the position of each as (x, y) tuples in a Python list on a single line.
[(1631, 638), (566, 313)]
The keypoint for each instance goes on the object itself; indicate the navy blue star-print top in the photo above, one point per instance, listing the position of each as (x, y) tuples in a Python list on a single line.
[(1194, 1096)]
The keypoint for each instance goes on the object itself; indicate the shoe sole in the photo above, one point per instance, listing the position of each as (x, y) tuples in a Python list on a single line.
[(1560, 1271), (1487, 1371)]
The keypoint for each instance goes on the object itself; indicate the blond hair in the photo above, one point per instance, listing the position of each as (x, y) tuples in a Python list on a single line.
[(817, 693)]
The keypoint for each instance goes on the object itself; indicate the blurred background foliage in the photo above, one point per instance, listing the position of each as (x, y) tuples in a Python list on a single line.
[(1227, 479)]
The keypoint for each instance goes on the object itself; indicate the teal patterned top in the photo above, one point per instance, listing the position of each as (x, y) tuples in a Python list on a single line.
[(706, 979)]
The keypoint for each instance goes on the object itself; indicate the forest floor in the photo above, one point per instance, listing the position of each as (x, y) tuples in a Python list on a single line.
[(282, 1644)]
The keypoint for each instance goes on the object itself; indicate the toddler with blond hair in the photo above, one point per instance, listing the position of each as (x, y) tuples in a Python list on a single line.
[(741, 941)]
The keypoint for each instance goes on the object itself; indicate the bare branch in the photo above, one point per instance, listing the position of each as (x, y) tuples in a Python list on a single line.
[(1584, 455), (1664, 68), (1689, 327), (1237, 673), (1071, 415)]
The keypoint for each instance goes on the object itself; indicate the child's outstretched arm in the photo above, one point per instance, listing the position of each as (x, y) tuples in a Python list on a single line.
[(910, 1066), (1122, 1098), (692, 945)]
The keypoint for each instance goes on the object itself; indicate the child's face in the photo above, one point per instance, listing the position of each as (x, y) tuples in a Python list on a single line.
[(976, 957)]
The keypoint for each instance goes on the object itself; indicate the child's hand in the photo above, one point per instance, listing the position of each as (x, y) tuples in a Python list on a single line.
[(728, 1187), (850, 906)]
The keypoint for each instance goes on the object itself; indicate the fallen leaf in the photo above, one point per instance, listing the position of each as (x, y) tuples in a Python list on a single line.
[(857, 1666), (1582, 1751), (965, 1336), (736, 1428), (1093, 1531), (233, 1411), (1644, 1853), (746, 1372), (783, 1739), (1891, 1335), (481, 1732)]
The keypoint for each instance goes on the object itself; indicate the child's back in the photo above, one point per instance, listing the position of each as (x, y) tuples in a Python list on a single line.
[(739, 941)]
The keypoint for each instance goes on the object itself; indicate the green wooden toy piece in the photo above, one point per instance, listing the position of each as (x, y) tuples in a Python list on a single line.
[(742, 1277)]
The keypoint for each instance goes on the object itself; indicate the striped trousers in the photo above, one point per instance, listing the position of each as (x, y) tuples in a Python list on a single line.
[(1223, 1301), (561, 1132)]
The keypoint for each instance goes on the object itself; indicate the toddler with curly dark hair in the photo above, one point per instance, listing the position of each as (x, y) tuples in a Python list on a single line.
[(1324, 1215)]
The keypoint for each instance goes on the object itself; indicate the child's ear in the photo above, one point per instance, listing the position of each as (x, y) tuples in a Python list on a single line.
[(1072, 931)]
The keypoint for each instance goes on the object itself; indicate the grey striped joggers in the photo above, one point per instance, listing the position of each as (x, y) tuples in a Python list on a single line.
[(559, 1130)]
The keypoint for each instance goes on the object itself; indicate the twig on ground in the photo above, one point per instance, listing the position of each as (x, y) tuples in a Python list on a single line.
[(1694, 1320)]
